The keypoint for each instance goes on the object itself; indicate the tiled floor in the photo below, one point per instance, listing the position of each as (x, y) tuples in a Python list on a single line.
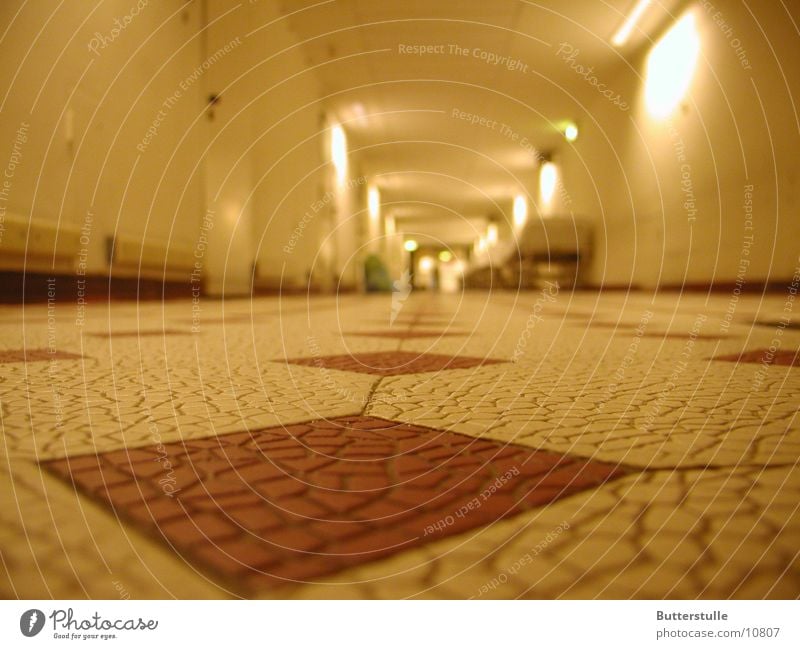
[(604, 445)]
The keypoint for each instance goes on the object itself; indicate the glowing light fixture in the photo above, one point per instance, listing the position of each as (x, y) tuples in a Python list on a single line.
[(548, 177), (374, 202), (491, 234), (480, 245), (520, 210), (445, 256), (670, 67), (339, 152), (410, 245), (624, 32), (359, 114), (426, 264), (571, 132)]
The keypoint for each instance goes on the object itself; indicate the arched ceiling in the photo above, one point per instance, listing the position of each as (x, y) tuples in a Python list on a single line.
[(409, 116)]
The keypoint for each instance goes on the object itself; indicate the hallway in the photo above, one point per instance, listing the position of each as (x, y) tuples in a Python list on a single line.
[(384, 299)]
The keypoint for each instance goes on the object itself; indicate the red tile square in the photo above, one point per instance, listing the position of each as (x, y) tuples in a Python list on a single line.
[(143, 333), (780, 357), (405, 335), (349, 491), (393, 363), (35, 355), (778, 324), (626, 328), (422, 319)]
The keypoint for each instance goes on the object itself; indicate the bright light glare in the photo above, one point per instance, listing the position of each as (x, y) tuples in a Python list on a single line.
[(548, 176), (339, 152), (359, 114), (426, 264), (520, 211), (390, 226), (670, 67), (445, 256), (624, 32), (480, 245), (491, 234), (571, 132), (374, 202), (411, 245)]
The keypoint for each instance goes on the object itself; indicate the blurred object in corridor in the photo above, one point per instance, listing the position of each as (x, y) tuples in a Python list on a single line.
[(376, 276)]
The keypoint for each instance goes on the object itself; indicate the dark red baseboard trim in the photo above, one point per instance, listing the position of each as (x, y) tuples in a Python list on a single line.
[(750, 286), (756, 286), (609, 287), (17, 287), (271, 291)]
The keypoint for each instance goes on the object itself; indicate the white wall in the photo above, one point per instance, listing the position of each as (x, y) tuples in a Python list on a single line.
[(106, 99), (627, 167), (291, 214), (243, 180)]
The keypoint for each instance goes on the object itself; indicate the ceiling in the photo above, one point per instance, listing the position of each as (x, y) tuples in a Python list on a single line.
[(400, 110)]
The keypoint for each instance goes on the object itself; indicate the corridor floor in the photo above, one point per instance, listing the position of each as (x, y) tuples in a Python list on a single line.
[(543, 444)]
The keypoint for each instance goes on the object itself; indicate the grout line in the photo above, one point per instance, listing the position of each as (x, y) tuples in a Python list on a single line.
[(368, 400)]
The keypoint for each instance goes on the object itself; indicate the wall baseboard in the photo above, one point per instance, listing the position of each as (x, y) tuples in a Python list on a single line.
[(17, 287), (609, 287), (754, 286), (750, 286)]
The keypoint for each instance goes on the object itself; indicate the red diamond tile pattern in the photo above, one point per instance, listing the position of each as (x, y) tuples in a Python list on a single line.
[(35, 355), (416, 322), (133, 333), (416, 319), (778, 324), (404, 335), (308, 500), (781, 357), (622, 327), (254, 317), (659, 334), (393, 363)]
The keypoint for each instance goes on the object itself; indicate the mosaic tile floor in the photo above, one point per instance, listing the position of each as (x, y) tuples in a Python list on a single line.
[(477, 446)]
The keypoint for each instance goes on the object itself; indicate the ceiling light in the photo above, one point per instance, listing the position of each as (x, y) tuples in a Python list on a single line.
[(491, 234), (445, 256), (411, 245), (670, 67), (571, 132), (520, 210), (426, 264), (621, 37), (359, 114), (374, 202), (548, 176), (339, 151)]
